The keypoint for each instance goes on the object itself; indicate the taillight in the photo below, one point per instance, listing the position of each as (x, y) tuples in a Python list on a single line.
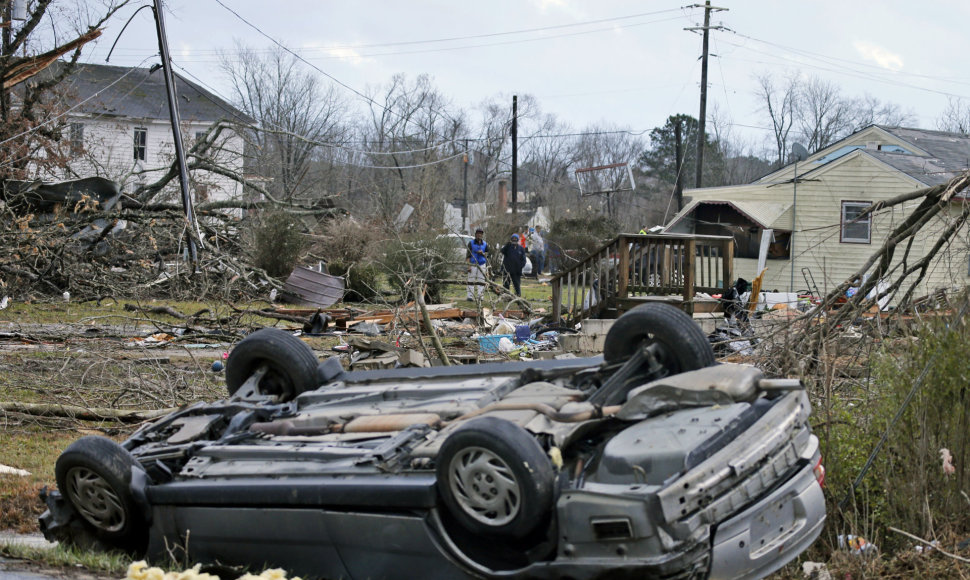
[(819, 471)]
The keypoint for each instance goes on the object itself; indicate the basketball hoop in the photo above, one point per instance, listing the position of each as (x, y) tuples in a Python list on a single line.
[(605, 179)]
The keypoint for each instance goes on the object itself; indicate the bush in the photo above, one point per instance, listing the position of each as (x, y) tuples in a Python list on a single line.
[(416, 260), (348, 241), (362, 280), (906, 486), (277, 243), (572, 240)]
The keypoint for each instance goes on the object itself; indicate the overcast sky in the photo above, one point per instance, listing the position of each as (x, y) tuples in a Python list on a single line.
[(617, 62)]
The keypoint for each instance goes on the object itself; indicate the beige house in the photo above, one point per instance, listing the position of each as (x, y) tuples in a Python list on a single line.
[(832, 187)]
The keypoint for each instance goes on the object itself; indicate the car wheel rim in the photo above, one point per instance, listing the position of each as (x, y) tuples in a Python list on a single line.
[(95, 500), (484, 486)]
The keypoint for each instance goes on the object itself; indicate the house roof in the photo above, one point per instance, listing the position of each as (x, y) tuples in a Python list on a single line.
[(927, 157), (947, 154), (139, 93), (767, 215)]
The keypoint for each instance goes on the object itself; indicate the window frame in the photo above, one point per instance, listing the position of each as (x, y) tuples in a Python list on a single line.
[(844, 222), (142, 147), (76, 136)]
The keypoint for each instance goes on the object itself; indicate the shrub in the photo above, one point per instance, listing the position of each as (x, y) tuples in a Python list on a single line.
[(347, 241), (906, 486), (419, 260), (572, 240), (277, 243), (362, 280)]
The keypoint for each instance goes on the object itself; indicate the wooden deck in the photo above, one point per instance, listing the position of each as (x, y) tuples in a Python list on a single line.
[(635, 268)]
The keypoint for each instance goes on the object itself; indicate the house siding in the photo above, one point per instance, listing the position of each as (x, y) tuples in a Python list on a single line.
[(817, 239), (109, 152)]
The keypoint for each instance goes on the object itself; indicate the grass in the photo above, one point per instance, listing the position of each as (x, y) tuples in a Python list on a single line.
[(35, 450), (114, 312), (65, 557)]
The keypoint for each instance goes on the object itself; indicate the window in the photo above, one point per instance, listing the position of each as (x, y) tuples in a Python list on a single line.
[(141, 143), (854, 229), (199, 135), (77, 137)]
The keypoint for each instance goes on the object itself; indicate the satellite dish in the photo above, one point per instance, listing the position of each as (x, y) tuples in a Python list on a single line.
[(798, 152)]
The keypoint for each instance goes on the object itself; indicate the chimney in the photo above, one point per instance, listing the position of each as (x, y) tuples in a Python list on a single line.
[(503, 197)]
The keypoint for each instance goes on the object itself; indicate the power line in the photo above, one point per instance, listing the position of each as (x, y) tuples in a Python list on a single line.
[(307, 51), (47, 122), (828, 66)]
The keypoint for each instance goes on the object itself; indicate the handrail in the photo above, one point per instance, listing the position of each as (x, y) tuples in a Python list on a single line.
[(631, 266)]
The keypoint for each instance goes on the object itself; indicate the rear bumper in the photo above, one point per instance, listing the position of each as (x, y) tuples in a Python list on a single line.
[(772, 532)]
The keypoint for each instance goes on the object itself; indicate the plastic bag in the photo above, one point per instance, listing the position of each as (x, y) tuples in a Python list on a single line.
[(505, 345)]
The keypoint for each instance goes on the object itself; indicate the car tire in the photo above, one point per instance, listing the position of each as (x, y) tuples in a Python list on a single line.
[(494, 478), (682, 344), (94, 474), (292, 364)]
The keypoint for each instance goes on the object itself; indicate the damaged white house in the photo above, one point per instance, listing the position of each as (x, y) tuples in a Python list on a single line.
[(119, 128)]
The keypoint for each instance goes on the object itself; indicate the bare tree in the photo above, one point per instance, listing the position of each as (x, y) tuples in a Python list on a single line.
[(955, 118), (605, 145), (296, 114), (823, 115), (819, 112), (547, 152), (869, 110), (739, 163), (780, 102), (413, 133), (31, 130), (492, 142)]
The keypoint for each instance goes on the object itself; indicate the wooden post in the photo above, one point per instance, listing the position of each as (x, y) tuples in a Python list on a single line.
[(557, 299), (688, 262), (727, 251), (624, 268)]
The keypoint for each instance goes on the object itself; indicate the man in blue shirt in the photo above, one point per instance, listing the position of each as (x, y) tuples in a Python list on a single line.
[(477, 249)]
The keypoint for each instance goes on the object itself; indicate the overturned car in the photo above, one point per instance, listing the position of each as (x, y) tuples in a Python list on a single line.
[(650, 461)]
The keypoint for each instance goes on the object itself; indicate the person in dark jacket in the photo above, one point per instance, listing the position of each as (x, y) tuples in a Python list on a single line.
[(513, 260)]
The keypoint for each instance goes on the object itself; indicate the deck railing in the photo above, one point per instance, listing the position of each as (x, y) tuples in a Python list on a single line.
[(633, 266)]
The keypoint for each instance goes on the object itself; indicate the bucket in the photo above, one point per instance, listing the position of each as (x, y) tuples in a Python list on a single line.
[(489, 343), (523, 332)]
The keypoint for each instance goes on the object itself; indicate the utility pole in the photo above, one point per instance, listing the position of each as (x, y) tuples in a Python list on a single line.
[(679, 154), (703, 113), (515, 151), (191, 227), (465, 226)]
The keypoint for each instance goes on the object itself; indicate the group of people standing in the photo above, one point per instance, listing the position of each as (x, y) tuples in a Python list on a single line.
[(514, 255)]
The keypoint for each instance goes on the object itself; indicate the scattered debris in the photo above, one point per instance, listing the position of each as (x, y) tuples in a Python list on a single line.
[(856, 545), (948, 468), (816, 571), (313, 288), (7, 470)]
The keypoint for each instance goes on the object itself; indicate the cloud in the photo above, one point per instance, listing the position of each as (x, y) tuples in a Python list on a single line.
[(346, 54), (545, 5), (879, 55)]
